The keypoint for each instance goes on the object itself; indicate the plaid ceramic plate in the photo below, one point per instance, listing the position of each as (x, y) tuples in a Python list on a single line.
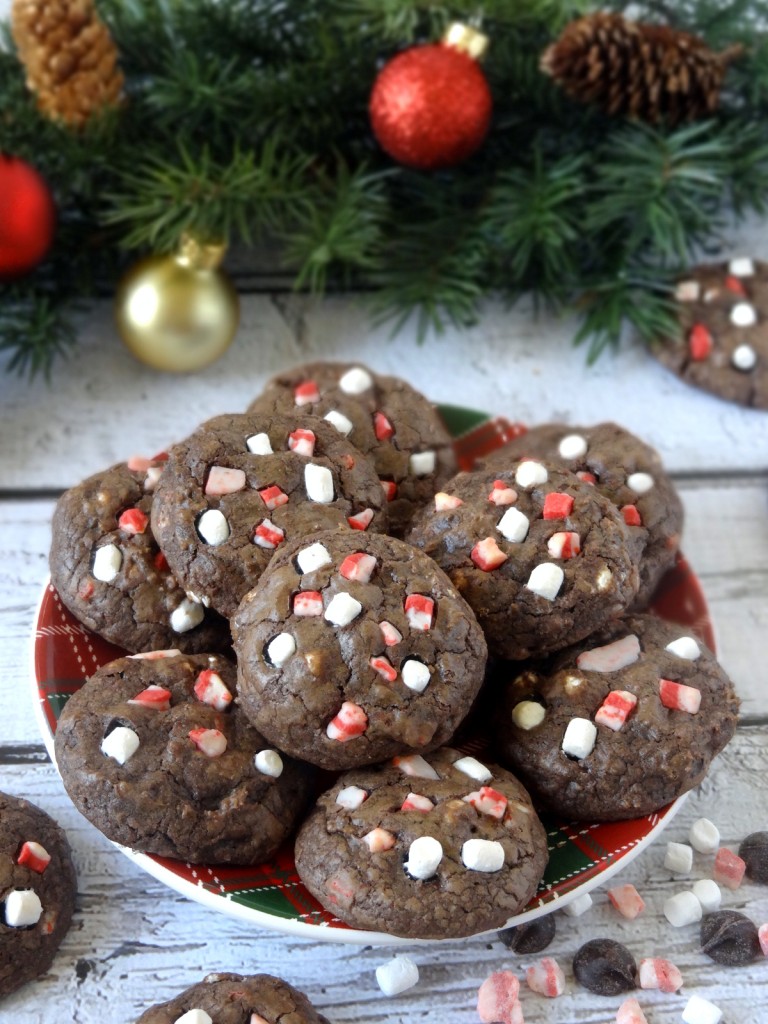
[(271, 895)]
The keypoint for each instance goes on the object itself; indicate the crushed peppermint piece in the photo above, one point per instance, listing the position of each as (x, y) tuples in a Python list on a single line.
[(513, 525), (566, 544), (224, 480), (356, 381), (557, 505), (211, 689), (155, 697), (744, 358), (572, 446), (630, 1013), (362, 520), (187, 615), (444, 501), (610, 657), (171, 652), (498, 999), (390, 489), (416, 802), (700, 343), (259, 444), (314, 557), (579, 738), (487, 555), (133, 521), (349, 722), (382, 427), (487, 800), (107, 562), (415, 766), (687, 291), (657, 973), (378, 840), (351, 797), (762, 936), (269, 762), (318, 481), (391, 635), (729, 868), (152, 478), (419, 611), (482, 855), (397, 975), (546, 580), (422, 463), (473, 768), (280, 649), (342, 609), (640, 483), (546, 978), (384, 668), (308, 603), (273, 497), (743, 314), (358, 566), (306, 392), (342, 423), (684, 647), (213, 527), (586, 477), (679, 697), (631, 515), (302, 441), (120, 744), (34, 856), (527, 714), (22, 908), (530, 473), (627, 900), (502, 494), (424, 856), (211, 742), (267, 535), (616, 709), (415, 675)]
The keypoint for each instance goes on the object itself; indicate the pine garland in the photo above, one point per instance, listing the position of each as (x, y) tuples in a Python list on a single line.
[(248, 121)]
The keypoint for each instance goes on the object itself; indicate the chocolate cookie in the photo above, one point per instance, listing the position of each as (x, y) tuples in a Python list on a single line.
[(242, 485), (722, 344), (156, 753), (424, 848), (355, 647), (37, 891), (234, 999), (383, 416), (110, 572), (618, 725), (624, 469), (541, 557)]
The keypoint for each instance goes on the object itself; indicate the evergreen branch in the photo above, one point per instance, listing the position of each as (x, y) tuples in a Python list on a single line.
[(34, 331), (642, 302)]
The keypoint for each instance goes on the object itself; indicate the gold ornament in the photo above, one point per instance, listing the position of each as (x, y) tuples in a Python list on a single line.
[(178, 312)]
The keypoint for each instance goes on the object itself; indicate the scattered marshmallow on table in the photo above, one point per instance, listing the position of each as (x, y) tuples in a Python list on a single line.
[(700, 1011), (397, 975), (707, 892), (678, 858), (704, 836), (682, 909), (578, 906), (194, 1017)]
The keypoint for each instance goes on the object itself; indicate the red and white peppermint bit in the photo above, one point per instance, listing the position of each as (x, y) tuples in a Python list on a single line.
[(631, 515), (160, 562), (415, 766), (152, 478), (382, 427), (630, 1013), (306, 392), (384, 668), (502, 493), (564, 545), (487, 800), (223, 480), (627, 900), (610, 657), (656, 972), (733, 284), (729, 868), (256, 1018), (171, 652), (391, 635), (358, 566), (308, 603), (679, 697), (267, 535), (351, 797), (273, 497), (211, 689), (616, 709), (487, 555), (362, 520), (416, 802), (34, 856), (86, 590), (546, 977), (378, 840), (557, 505), (351, 721), (444, 501), (210, 742), (133, 521), (586, 477), (498, 999), (156, 697), (419, 610), (762, 934), (700, 342), (390, 489), (347, 460), (302, 441), (138, 463)]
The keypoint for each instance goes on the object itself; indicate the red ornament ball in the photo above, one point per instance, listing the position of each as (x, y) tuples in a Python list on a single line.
[(430, 107), (27, 217)]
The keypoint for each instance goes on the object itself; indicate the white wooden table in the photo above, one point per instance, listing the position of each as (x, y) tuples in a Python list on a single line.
[(133, 941)]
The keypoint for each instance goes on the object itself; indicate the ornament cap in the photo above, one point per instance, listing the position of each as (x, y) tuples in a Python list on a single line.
[(198, 255), (466, 39)]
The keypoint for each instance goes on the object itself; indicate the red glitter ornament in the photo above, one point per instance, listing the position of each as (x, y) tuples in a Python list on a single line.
[(27, 217), (431, 106)]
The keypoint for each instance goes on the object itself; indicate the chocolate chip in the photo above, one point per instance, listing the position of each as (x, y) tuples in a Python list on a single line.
[(531, 937), (605, 967), (754, 852), (730, 938)]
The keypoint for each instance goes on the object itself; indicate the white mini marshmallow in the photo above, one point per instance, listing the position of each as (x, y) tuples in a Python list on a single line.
[(708, 893), (415, 675), (743, 314), (688, 291), (604, 578), (269, 762), (318, 481), (530, 473), (572, 446), (121, 744), (700, 1011), (213, 527), (473, 768), (422, 463), (187, 615), (513, 525), (482, 855), (351, 797), (194, 1017), (683, 908), (356, 381), (578, 906), (528, 714), (342, 423), (744, 358), (684, 647), (640, 483), (678, 858), (107, 562), (424, 856), (342, 609), (22, 908), (741, 266), (546, 580), (281, 648), (259, 444), (704, 835), (313, 557), (397, 975), (579, 738)]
